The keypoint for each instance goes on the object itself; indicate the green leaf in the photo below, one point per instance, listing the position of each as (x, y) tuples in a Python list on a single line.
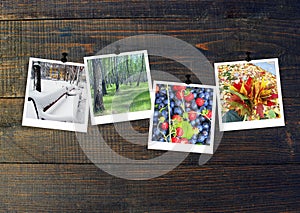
[(231, 116), (272, 114), (243, 108), (185, 115), (188, 131), (243, 97)]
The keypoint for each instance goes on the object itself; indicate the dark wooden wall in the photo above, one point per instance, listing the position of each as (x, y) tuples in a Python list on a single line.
[(46, 170)]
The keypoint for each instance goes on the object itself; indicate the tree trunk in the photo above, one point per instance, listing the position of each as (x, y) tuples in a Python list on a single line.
[(116, 74), (127, 70), (104, 92), (98, 96), (142, 68)]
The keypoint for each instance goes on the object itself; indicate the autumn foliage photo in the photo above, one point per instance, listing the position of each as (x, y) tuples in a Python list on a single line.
[(249, 91)]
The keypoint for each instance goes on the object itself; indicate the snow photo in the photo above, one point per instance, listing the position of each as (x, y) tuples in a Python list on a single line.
[(119, 87), (249, 94), (183, 117), (56, 96)]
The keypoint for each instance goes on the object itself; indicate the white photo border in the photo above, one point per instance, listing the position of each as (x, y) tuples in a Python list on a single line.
[(230, 126), (207, 149), (49, 124), (121, 117)]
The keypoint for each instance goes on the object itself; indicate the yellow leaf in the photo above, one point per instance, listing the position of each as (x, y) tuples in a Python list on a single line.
[(265, 93), (233, 88), (243, 90)]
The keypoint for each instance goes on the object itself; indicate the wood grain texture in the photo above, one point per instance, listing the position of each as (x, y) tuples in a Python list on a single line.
[(260, 146), (224, 40), (84, 188), (204, 9), (44, 170)]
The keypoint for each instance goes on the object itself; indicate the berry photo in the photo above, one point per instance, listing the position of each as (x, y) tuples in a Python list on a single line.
[(119, 87), (249, 94), (183, 117), (56, 96)]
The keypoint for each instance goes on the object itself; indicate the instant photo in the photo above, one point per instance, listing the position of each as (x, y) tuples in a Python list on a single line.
[(249, 94), (56, 96), (118, 87), (183, 117)]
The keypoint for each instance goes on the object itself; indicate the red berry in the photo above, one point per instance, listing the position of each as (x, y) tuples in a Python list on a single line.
[(184, 140), (175, 140), (209, 114), (200, 102), (165, 125), (192, 115), (178, 88), (179, 131), (157, 89), (179, 94), (189, 97), (177, 117)]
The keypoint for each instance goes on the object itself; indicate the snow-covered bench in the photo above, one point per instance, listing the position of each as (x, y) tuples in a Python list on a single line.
[(60, 105)]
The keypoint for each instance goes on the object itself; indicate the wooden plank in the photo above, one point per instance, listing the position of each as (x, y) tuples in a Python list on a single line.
[(219, 40), (70, 188), (258, 146), (204, 9)]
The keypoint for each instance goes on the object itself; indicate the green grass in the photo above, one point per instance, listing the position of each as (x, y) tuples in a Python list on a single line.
[(128, 99)]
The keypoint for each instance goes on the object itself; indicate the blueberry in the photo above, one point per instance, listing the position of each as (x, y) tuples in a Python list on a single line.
[(166, 101), (200, 128), (201, 139), (161, 140), (178, 102), (209, 107), (194, 106), (165, 113), (163, 91), (193, 141), (172, 104), (193, 123), (171, 95), (201, 95), (162, 98), (206, 125), (204, 133), (161, 105), (178, 110), (195, 136), (156, 132), (202, 118), (158, 101)]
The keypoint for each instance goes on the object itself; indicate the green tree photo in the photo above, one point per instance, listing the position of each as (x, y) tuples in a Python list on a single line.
[(119, 84)]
